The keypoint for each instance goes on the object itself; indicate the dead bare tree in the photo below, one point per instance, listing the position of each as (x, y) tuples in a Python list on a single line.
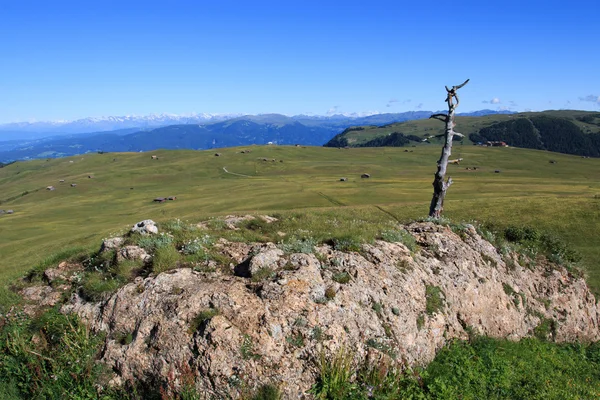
[(440, 186)]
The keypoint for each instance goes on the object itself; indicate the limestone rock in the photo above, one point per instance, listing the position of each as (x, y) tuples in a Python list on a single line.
[(112, 243), (232, 330), (133, 253), (145, 227)]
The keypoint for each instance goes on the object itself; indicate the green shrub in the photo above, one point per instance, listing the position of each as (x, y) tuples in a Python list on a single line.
[(201, 319), (164, 259), (174, 225), (347, 243), (196, 245), (124, 338), (330, 293), (247, 349), (97, 286), (377, 307), (267, 392), (546, 327), (298, 245), (434, 299), (341, 277), (383, 346), (402, 236), (263, 274), (126, 270), (335, 377), (296, 340), (520, 234), (152, 243), (420, 321)]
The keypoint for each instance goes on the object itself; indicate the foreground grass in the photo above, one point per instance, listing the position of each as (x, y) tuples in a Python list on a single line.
[(482, 369)]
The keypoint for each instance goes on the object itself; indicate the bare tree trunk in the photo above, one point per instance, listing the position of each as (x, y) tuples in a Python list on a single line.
[(439, 185)]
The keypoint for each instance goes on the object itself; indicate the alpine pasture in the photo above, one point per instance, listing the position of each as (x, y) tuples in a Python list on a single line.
[(562, 198)]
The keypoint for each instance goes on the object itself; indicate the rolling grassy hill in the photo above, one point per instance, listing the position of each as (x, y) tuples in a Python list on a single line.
[(582, 123), (302, 182)]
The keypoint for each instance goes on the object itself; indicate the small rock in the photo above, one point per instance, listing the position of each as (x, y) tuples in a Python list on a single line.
[(133, 253), (145, 227), (112, 243)]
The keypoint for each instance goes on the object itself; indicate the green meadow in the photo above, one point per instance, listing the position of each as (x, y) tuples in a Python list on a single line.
[(562, 198)]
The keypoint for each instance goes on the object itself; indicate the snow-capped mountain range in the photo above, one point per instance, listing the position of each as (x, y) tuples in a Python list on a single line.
[(111, 123), (37, 129)]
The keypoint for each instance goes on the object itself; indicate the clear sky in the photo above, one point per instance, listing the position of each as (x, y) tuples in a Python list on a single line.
[(64, 60)]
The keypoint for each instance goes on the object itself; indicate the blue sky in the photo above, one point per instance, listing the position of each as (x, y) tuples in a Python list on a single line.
[(64, 60)]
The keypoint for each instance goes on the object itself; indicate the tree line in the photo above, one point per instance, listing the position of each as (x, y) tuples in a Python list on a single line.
[(543, 133)]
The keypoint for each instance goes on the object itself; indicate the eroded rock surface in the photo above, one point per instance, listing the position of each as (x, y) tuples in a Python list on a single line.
[(406, 306)]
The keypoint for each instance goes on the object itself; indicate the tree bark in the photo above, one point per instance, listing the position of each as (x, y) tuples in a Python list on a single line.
[(440, 184)]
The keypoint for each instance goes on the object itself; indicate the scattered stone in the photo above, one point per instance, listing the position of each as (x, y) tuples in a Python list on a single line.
[(133, 253), (145, 227), (90, 177), (62, 181), (10, 212), (73, 184), (49, 187), (552, 161), (112, 243), (497, 171), (343, 179), (365, 176), (2, 212), (160, 200), (154, 157), (171, 198), (217, 154)]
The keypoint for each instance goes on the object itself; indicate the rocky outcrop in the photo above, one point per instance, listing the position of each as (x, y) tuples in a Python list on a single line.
[(236, 329)]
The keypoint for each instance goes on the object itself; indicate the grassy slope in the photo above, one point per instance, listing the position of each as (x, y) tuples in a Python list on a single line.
[(558, 197), (464, 125)]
